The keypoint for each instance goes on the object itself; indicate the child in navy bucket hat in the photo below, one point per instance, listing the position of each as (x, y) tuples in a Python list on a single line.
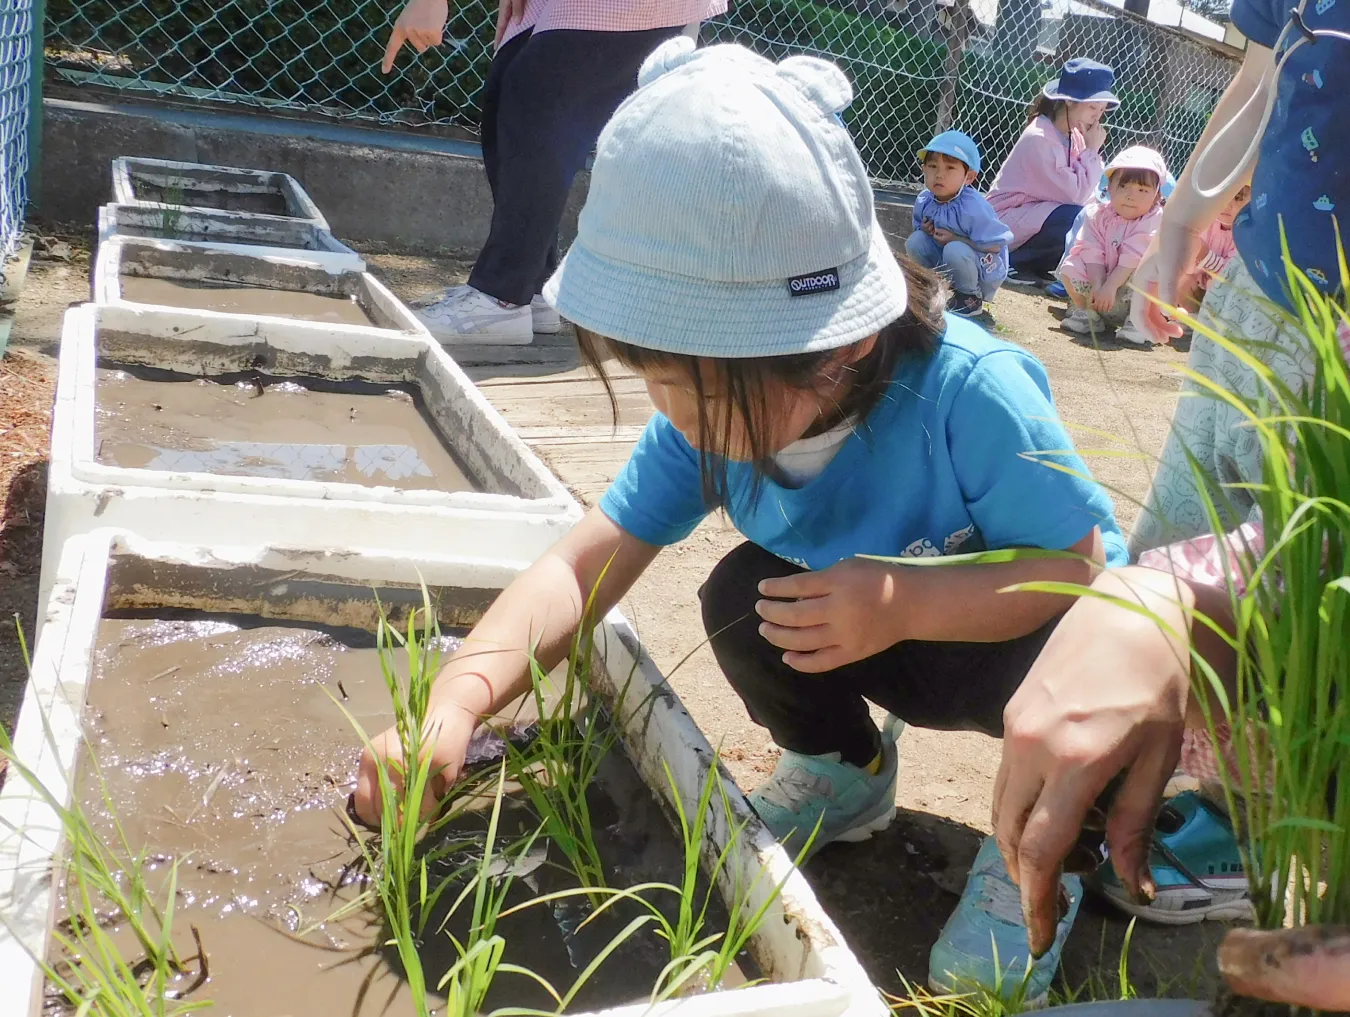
[(807, 385), (956, 231)]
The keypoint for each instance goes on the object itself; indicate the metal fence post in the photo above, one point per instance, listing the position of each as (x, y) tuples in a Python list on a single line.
[(35, 72)]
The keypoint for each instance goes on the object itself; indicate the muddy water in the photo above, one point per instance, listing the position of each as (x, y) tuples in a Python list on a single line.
[(223, 747), (259, 426), (264, 202), (212, 296)]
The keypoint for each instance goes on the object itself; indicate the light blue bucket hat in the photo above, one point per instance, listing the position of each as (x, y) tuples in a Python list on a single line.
[(730, 214)]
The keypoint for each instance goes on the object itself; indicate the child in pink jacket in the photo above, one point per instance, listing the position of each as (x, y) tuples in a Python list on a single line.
[(1111, 244), (1217, 248)]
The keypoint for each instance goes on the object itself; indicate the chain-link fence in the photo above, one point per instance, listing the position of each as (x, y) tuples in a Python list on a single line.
[(16, 24), (918, 66)]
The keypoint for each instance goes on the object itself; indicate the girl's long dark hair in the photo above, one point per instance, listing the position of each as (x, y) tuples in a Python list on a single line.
[(748, 384)]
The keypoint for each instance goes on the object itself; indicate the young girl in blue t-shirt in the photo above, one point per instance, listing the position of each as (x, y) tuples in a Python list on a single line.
[(808, 386)]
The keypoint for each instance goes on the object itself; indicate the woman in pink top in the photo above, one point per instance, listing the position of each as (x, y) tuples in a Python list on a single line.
[(1112, 242), (1054, 168), (560, 71)]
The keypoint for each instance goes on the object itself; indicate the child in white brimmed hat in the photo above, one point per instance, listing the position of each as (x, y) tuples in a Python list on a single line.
[(1111, 243), (805, 383)]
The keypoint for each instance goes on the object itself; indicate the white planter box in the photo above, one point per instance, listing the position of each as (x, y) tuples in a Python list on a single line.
[(326, 273), (160, 183), (521, 512), (203, 225), (812, 971)]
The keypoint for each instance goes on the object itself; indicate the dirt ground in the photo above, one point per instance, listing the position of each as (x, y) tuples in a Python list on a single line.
[(891, 895)]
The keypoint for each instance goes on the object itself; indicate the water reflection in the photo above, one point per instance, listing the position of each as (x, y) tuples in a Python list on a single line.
[(294, 460)]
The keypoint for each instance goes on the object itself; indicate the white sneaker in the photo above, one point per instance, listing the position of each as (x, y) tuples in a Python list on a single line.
[(465, 315), (1127, 333), (546, 320), (1084, 322)]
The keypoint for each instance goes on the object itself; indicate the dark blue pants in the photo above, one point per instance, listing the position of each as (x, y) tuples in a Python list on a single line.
[(1041, 255), (545, 100)]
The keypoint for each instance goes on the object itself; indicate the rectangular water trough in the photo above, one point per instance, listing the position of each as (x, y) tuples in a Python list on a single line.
[(160, 183), (245, 230), (810, 971), (247, 287), (325, 489)]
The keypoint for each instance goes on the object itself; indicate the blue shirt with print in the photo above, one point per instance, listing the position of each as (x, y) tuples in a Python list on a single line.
[(969, 214), (953, 459), (1301, 170)]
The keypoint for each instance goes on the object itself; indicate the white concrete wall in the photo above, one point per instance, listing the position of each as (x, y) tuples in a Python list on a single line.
[(798, 946)]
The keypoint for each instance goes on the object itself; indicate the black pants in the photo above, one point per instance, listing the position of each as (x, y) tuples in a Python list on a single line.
[(1041, 254), (545, 100), (948, 686)]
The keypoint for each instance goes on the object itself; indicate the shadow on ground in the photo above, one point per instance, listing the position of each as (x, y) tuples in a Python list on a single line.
[(891, 896)]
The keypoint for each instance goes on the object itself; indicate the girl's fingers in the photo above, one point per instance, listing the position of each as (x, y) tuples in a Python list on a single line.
[(804, 584), (1307, 967), (818, 662), (794, 613), (1130, 820), (803, 640)]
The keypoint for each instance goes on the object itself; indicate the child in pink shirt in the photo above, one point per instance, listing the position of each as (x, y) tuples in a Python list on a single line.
[(1217, 249), (1112, 242)]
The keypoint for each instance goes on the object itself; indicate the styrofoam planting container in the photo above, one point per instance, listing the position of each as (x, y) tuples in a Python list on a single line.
[(160, 183), (328, 273), (811, 970), (521, 511), (203, 225)]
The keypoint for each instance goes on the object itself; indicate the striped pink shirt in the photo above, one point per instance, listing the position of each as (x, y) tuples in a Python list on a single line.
[(613, 15)]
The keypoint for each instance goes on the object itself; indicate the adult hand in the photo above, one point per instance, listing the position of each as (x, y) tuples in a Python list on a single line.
[(1104, 298), (1068, 732), (943, 237), (1095, 137), (421, 25), (833, 617), (1161, 274), (1307, 967), (508, 12), (448, 730)]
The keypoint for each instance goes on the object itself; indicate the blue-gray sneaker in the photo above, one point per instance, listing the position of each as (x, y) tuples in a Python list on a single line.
[(1196, 866), (984, 943), (854, 804)]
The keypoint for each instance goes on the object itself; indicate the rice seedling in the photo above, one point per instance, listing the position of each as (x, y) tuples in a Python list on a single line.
[(565, 757), (1289, 625), (699, 959), (106, 884)]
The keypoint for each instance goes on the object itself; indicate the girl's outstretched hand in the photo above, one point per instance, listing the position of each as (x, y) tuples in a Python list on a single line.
[(1308, 967), (1107, 695), (833, 617), (448, 730)]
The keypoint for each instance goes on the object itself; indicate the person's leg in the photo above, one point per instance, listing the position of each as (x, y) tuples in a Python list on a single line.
[(946, 686), (1042, 253), (489, 102), (555, 97), (824, 728), (923, 249), (963, 263), (1212, 432)]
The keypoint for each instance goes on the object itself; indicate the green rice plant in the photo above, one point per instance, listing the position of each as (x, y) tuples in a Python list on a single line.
[(1289, 624), (565, 757), (699, 959), (106, 884)]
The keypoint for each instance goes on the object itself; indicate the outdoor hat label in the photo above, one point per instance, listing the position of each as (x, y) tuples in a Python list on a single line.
[(816, 282)]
